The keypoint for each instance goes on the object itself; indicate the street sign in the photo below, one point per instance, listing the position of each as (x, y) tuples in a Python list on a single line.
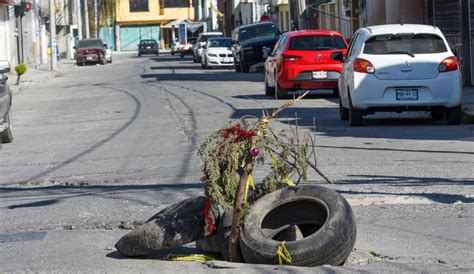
[(182, 33)]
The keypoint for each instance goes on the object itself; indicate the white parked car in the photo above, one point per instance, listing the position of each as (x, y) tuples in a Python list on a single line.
[(217, 53), (6, 127), (201, 43), (108, 54), (400, 68)]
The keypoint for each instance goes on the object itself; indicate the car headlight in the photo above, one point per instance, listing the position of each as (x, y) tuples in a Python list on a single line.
[(212, 55)]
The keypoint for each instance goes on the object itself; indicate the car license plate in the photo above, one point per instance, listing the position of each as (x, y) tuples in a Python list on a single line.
[(226, 60), (90, 58), (320, 74), (407, 94)]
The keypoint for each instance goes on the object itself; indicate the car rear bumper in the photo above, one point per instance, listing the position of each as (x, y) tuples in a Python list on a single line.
[(305, 80), (148, 51), (370, 92)]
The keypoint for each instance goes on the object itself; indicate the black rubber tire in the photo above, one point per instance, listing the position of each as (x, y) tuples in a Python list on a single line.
[(322, 215), (437, 114), (269, 91), (157, 53), (244, 67), (454, 115), (236, 66), (355, 115), (280, 93), (343, 112), (195, 59), (7, 134), (176, 225), (335, 91)]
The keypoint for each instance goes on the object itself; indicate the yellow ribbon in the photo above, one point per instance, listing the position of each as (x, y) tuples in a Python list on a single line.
[(283, 254), (250, 183), (263, 128), (189, 258)]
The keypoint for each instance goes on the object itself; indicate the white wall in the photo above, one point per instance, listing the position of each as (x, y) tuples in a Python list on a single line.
[(7, 35)]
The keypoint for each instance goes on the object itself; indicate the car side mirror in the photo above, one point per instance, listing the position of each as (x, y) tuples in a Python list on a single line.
[(266, 52), (337, 56), (4, 66)]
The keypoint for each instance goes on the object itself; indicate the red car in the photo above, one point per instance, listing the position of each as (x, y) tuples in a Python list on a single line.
[(90, 51), (304, 60)]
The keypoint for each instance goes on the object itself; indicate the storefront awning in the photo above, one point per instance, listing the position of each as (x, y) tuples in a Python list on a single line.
[(174, 23)]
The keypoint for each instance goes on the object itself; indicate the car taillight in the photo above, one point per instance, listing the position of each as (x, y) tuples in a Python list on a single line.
[(363, 66), (448, 64), (291, 58)]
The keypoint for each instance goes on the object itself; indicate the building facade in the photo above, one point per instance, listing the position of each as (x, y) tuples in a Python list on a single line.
[(142, 19)]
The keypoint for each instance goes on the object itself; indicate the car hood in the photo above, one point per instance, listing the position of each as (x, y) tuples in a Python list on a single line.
[(219, 50), (260, 41)]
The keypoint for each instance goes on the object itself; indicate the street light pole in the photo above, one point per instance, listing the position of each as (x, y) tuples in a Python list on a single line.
[(52, 35)]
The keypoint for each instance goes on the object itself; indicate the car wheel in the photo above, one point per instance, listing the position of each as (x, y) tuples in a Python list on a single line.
[(195, 59), (172, 53), (322, 215), (343, 112), (157, 53), (335, 91), (7, 134), (437, 114), (139, 54), (355, 116), (269, 91), (454, 115), (237, 66), (244, 67), (280, 93)]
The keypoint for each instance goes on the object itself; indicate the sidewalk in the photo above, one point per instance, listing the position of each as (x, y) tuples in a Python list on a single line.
[(39, 74)]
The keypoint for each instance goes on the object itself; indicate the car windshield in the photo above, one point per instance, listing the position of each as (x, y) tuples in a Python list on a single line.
[(317, 43), (409, 44), (90, 44), (206, 37), (258, 31), (220, 43), (148, 42)]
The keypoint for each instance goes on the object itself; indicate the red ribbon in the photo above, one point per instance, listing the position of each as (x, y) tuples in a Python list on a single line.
[(210, 222)]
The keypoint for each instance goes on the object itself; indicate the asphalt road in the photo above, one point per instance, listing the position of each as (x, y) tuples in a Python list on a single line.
[(102, 147)]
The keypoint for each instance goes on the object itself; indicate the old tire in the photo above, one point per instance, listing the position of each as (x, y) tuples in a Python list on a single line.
[(269, 91), (7, 134), (322, 215), (176, 225), (454, 115)]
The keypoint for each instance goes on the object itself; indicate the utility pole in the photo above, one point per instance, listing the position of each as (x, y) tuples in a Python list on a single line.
[(86, 15), (52, 35), (79, 19)]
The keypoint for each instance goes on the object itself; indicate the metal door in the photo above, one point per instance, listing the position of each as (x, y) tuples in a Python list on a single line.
[(130, 36)]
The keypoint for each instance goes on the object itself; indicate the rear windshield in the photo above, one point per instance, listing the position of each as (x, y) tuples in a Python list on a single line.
[(148, 42), (317, 43), (220, 43), (258, 31), (405, 43), (90, 44)]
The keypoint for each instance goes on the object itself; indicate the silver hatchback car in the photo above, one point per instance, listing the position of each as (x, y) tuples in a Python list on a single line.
[(6, 127)]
